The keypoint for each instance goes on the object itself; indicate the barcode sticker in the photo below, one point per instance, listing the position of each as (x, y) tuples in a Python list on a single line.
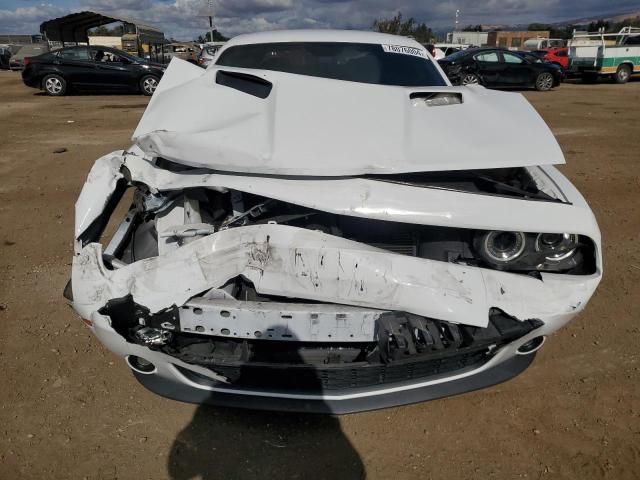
[(416, 52)]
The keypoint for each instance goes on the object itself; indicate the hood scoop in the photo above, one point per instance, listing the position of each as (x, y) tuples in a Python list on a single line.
[(435, 99)]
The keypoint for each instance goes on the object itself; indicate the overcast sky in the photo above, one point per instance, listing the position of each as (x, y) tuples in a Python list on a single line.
[(180, 18)]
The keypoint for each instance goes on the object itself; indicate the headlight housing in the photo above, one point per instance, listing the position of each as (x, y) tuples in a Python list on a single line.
[(520, 251)]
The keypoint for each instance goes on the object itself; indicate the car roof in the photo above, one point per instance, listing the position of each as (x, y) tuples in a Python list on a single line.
[(346, 36)]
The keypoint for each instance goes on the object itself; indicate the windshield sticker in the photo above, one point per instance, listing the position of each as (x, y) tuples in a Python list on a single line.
[(416, 52)]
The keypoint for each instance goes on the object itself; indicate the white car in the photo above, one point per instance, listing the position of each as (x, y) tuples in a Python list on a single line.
[(321, 222), (208, 53)]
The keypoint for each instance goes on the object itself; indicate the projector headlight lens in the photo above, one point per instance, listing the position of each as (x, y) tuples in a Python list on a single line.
[(556, 246), (503, 247)]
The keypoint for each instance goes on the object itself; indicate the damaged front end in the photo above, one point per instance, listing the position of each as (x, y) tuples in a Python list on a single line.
[(210, 284), (328, 268)]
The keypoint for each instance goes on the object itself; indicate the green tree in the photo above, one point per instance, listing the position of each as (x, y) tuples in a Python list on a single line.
[(407, 28), (472, 28), (104, 31), (217, 37)]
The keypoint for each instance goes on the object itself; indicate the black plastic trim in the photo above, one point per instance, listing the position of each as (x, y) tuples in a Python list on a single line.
[(178, 391), (243, 82)]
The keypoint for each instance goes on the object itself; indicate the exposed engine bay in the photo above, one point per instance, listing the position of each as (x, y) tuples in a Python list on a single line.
[(244, 335)]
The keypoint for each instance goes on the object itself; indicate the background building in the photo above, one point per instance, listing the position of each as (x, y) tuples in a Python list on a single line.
[(513, 40), (73, 29), (477, 39), (20, 39), (106, 41)]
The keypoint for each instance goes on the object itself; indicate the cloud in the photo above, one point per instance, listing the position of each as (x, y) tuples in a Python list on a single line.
[(27, 20), (185, 19)]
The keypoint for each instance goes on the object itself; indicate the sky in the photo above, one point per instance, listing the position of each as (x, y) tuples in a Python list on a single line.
[(182, 19)]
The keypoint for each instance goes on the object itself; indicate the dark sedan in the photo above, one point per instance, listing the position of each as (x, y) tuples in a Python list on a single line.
[(90, 68), (498, 68)]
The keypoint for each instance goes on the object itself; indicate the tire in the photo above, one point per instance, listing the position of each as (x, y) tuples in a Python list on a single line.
[(148, 84), (54, 85), (622, 74), (469, 79), (544, 82)]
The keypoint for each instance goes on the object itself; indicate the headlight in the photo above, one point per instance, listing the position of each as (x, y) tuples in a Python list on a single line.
[(504, 247), (556, 246), (519, 251)]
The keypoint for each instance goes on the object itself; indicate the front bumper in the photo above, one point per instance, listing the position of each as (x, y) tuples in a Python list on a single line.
[(184, 386), (353, 283)]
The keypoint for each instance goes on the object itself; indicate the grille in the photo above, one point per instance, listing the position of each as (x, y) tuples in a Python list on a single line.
[(308, 378)]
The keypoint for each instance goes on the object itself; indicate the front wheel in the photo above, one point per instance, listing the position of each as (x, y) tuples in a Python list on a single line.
[(622, 74), (470, 79), (148, 84), (54, 85), (544, 82)]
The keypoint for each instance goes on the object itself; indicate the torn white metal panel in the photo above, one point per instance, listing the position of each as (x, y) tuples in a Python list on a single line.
[(356, 128), (296, 322), (289, 261), (178, 72), (97, 190), (324, 268), (359, 197), (524, 297)]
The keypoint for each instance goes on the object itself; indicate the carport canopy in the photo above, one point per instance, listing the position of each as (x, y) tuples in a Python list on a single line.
[(73, 28)]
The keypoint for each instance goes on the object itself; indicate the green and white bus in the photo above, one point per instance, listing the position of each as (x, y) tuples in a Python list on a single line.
[(613, 55)]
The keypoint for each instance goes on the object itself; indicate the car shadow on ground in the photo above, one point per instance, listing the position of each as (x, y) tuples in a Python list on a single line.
[(225, 443), (230, 443)]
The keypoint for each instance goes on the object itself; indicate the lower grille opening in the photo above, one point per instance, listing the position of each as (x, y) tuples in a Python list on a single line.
[(409, 349)]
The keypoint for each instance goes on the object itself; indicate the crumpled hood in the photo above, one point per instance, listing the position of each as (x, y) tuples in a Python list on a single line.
[(323, 127)]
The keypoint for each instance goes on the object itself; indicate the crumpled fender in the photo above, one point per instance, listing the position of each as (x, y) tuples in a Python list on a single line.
[(295, 262), (289, 261), (358, 197)]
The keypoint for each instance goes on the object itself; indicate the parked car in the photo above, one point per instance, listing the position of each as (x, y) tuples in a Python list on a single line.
[(184, 51), (91, 68), (383, 238), (558, 56), (449, 48), (435, 52), (16, 62), (5, 56), (498, 68), (597, 55), (543, 43), (208, 52)]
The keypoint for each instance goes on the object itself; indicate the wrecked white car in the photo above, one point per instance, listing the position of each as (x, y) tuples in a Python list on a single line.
[(321, 222)]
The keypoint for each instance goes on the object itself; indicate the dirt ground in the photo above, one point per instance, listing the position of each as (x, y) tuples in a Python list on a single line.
[(70, 409)]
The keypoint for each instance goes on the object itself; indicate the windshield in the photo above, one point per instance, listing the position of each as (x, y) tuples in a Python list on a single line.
[(355, 62)]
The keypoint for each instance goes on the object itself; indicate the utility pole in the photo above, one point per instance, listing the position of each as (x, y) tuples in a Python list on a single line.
[(210, 5), (457, 15)]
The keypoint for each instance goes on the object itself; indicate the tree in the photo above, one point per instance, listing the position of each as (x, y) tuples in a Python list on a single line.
[(103, 31), (408, 28), (595, 26), (472, 28), (217, 37)]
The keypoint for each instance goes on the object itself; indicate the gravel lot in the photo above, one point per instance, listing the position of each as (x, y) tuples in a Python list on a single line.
[(69, 409)]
